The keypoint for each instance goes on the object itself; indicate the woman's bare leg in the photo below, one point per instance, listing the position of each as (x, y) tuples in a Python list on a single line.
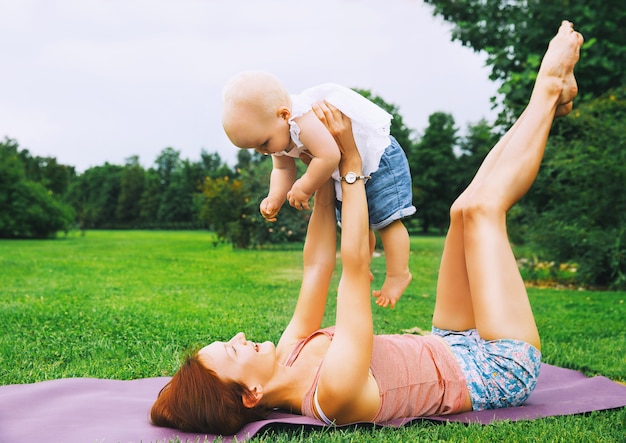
[(453, 308), (479, 283)]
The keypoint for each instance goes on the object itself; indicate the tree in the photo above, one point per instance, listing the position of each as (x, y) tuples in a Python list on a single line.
[(175, 195), (167, 163), (150, 199), (132, 185), (213, 166), (177, 203), (245, 160), (47, 171), (515, 33), (166, 196), (577, 210), (473, 148), (434, 169), (27, 208), (95, 194)]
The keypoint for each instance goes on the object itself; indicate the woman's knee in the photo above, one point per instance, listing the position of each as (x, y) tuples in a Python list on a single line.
[(456, 211), (472, 210)]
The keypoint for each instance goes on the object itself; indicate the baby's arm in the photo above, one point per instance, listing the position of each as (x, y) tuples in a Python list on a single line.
[(281, 179), (326, 156)]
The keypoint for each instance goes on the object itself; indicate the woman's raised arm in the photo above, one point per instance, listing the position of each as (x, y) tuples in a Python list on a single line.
[(319, 263), (345, 393)]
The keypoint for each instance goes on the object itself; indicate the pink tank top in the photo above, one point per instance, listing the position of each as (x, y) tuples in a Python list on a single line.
[(417, 376)]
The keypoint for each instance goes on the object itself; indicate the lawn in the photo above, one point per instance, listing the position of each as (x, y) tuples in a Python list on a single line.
[(127, 304)]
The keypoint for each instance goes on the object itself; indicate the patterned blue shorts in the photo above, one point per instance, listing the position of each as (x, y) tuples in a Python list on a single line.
[(389, 191), (499, 373)]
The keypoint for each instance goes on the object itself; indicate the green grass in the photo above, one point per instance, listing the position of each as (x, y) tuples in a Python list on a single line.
[(124, 305)]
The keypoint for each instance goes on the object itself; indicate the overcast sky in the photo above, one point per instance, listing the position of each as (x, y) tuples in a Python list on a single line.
[(95, 81)]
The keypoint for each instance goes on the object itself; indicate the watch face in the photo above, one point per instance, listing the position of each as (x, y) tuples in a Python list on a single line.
[(350, 177)]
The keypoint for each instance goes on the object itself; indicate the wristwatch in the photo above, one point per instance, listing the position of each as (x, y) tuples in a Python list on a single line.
[(351, 177)]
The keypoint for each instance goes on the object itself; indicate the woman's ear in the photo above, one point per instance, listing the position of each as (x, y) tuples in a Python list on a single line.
[(253, 397)]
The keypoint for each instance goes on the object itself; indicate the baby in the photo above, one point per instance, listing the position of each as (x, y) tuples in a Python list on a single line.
[(258, 113)]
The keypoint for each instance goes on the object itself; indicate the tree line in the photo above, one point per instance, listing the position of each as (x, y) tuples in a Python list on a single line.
[(576, 212)]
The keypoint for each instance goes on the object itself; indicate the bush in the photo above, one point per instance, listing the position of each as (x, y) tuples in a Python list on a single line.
[(231, 209), (577, 210), (27, 208)]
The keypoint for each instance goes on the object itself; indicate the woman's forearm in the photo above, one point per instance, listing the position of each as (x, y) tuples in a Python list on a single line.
[(353, 303), (319, 258)]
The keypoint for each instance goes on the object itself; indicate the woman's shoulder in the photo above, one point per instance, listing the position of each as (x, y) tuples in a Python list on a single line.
[(291, 349)]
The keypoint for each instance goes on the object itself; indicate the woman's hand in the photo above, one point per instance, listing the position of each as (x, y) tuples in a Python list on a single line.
[(337, 123), (340, 127)]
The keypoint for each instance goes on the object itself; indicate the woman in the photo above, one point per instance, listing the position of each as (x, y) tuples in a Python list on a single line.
[(485, 349)]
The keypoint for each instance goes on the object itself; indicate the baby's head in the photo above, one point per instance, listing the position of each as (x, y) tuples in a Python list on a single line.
[(252, 101)]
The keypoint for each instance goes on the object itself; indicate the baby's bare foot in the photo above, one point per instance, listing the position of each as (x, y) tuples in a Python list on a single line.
[(557, 67), (392, 289)]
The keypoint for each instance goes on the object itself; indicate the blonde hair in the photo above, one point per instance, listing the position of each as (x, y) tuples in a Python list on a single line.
[(257, 90)]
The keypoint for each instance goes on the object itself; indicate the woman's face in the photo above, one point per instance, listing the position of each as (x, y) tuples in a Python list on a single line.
[(240, 360)]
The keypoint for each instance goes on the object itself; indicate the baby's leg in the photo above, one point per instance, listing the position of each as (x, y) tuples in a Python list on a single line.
[(397, 247)]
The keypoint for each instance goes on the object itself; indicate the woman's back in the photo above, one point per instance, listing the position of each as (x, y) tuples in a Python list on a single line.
[(416, 376)]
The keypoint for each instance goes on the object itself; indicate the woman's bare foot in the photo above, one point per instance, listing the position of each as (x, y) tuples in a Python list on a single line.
[(564, 109), (557, 67), (392, 289)]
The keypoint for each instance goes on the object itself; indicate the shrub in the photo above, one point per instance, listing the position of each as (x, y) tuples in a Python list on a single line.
[(27, 208), (231, 209), (577, 209)]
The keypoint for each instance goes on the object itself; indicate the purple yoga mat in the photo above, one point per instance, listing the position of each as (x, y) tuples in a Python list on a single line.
[(84, 410)]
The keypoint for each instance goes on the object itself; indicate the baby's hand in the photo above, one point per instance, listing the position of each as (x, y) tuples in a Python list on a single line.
[(269, 208), (297, 197)]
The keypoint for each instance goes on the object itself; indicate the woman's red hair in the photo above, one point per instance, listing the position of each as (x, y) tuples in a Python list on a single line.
[(197, 400)]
